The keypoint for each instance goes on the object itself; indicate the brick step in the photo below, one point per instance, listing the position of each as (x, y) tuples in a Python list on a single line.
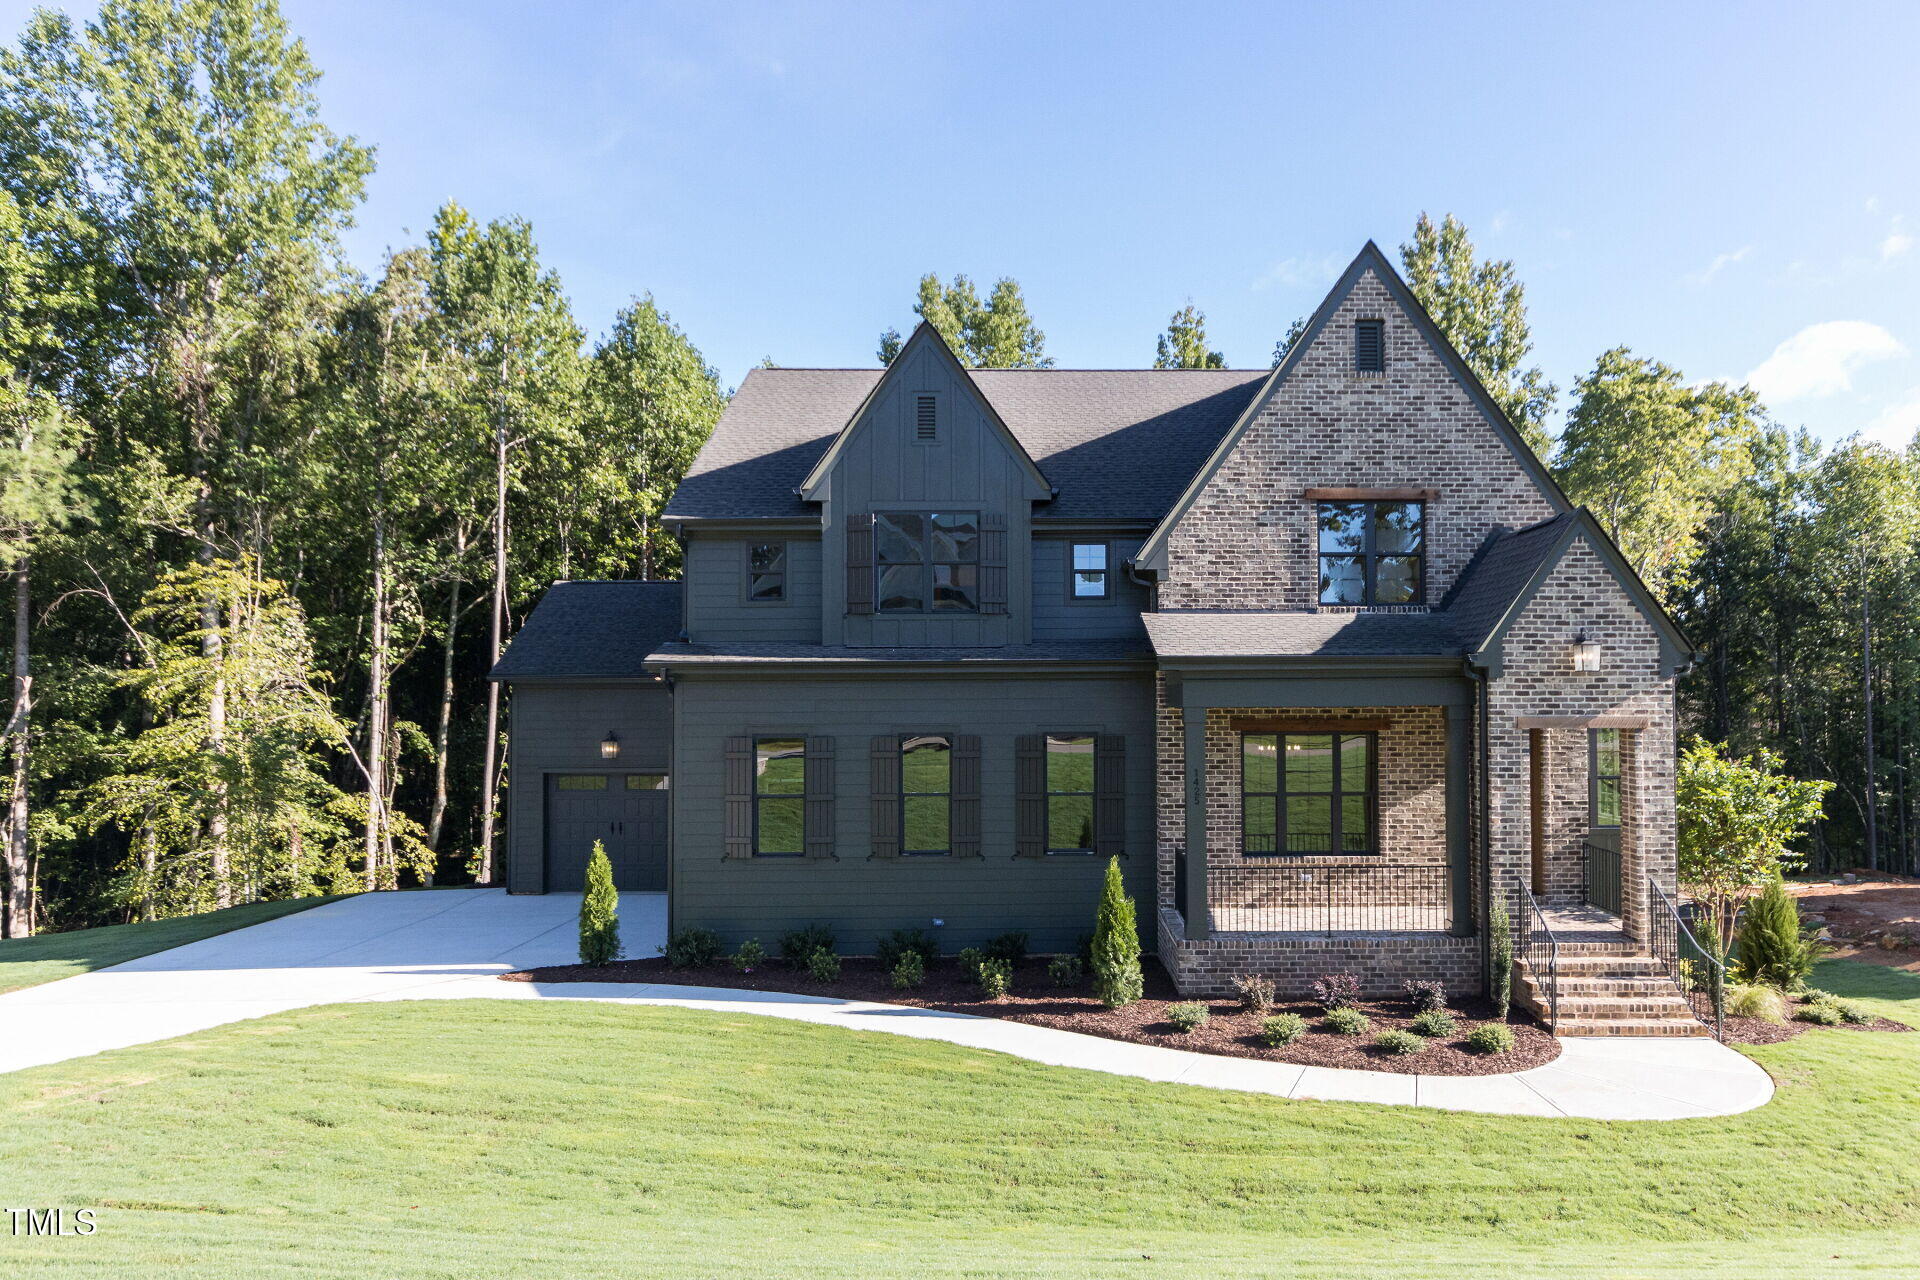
[(1595, 947), (1617, 1008), (1611, 966), (1610, 994), (1631, 987), (1691, 1027)]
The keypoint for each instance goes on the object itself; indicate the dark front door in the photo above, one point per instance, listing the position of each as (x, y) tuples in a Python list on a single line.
[(1601, 854), (625, 812)]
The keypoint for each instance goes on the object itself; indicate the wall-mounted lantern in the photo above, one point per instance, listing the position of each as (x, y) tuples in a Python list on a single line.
[(1586, 653), (610, 746)]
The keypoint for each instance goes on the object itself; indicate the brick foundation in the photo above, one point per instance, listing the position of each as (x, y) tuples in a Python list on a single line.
[(1382, 962)]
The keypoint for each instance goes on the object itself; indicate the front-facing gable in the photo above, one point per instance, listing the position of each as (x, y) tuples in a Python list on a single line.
[(1242, 534)]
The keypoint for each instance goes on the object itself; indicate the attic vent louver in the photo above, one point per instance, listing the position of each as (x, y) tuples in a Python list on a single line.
[(926, 419), (1369, 346)]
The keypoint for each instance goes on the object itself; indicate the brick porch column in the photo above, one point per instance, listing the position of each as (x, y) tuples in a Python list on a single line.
[(1199, 919)]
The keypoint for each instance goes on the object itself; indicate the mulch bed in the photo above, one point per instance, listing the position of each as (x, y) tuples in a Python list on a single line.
[(1760, 1031), (1230, 1031)]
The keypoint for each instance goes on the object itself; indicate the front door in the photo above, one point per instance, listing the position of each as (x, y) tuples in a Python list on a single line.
[(1601, 855), (625, 812)]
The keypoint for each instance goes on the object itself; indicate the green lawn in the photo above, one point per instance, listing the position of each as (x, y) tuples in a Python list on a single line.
[(27, 962), (520, 1140)]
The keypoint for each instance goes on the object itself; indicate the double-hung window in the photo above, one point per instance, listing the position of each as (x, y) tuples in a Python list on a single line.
[(927, 562), (1070, 793), (1307, 793), (767, 572), (926, 794), (1092, 571), (1372, 553), (779, 796)]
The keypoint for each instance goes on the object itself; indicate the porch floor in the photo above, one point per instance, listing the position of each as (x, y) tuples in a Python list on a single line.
[(1582, 922)]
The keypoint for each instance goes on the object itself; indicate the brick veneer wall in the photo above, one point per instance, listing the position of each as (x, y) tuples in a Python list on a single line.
[(1248, 542), (1381, 962), (1566, 813)]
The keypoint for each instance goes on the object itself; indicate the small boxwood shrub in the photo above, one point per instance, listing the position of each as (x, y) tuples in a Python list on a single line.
[(1282, 1028), (1823, 1013), (1347, 1021), (969, 961), (908, 972), (1853, 1011), (1255, 991), (750, 956), (1491, 1038), (691, 948), (1400, 1043), (1188, 1015), (1756, 1001), (1065, 971), (1426, 993), (1337, 991), (1010, 947), (797, 948), (823, 966), (1433, 1024), (891, 948), (994, 977)]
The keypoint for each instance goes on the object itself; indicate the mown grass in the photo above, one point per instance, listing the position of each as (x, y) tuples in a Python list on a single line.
[(522, 1140), (27, 962)]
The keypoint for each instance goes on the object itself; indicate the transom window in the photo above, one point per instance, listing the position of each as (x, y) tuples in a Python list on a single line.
[(779, 796), (646, 782), (1604, 769), (927, 562), (926, 793), (1372, 553), (1092, 572), (1069, 793), (767, 571), (1307, 793)]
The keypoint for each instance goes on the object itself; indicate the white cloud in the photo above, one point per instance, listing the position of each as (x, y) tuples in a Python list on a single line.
[(1294, 272), (1895, 425), (1720, 263), (1501, 221), (1820, 359), (1897, 243)]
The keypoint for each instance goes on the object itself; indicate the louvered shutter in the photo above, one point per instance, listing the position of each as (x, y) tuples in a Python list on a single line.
[(1369, 346), (884, 796), (739, 802), (860, 563), (993, 563), (819, 805), (1030, 796), (964, 803), (1110, 795)]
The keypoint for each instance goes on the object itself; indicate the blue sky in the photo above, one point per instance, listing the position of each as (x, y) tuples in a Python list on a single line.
[(1733, 189)]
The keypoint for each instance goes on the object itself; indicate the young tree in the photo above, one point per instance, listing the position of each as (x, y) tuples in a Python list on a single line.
[(1117, 979), (1184, 344), (1772, 946), (1482, 309), (1738, 821), (997, 334)]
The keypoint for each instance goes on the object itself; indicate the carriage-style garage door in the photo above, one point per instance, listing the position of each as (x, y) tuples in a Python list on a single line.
[(626, 812)]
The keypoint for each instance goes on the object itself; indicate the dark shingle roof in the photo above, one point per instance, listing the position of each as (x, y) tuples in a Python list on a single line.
[(1300, 634), (1497, 575), (1115, 443), (587, 630), (681, 653)]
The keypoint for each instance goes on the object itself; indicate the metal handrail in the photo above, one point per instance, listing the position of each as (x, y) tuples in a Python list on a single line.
[(1674, 944), (1531, 949), (1600, 884)]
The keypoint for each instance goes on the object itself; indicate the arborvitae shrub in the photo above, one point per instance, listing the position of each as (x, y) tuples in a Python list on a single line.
[(1117, 979), (599, 912)]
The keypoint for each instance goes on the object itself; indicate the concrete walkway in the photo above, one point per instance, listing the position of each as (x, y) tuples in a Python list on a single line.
[(449, 944)]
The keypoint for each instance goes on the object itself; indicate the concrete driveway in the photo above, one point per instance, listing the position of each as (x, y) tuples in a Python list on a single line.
[(371, 947)]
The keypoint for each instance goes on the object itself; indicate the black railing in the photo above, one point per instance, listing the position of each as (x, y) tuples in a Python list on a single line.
[(1600, 877), (1180, 880), (1344, 899), (1538, 950), (1700, 975)]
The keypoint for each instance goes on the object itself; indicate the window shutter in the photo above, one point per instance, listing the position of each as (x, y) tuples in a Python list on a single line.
[(1030, 796), (739, 803), (860, 563), (993, 562), (964, 804), (1110, 795), (819, 806), (884, 796)]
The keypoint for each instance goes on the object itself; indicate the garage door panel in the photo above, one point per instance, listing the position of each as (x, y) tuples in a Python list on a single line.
[(626, 813)]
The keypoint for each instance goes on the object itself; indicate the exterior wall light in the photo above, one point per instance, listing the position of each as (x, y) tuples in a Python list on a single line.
[(610, 746), (1586, 653)]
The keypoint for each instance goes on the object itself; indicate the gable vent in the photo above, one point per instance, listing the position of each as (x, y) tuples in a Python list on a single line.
[(1369, 346), (926, 419)]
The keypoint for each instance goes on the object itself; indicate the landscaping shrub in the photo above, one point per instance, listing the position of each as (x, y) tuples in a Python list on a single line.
[(1433, 1023), (1756, 1001), (797, 948), (1491, 1038), (599, 912), (1189, 1015), (1337, 991), (891, 948), (750, 956), (692, 948), (1855, 1012), (1282, 1028), (1426, 993), (1400, 1043), (1117, 978), (908, 972), (1825, 1013), (1500, 953), (1011, 947), (994, 977), (1256, 992), (1347, 1021), (1065, 971), (1772, 946), (969, 961), (823, 966)]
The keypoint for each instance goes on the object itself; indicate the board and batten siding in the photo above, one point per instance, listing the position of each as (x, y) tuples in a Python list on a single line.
[(1057, 616), (862, 897), (718, 611), (558, 729)]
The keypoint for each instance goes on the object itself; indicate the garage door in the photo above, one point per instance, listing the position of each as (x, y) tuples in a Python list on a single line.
[(626, 812)]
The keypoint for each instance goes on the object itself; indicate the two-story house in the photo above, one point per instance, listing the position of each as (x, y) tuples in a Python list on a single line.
[(1322, 653)]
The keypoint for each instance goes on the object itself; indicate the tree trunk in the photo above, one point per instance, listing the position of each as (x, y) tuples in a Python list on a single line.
[(489, 781), (443, 730), (18, 921), (377, 876), (1866, 691)]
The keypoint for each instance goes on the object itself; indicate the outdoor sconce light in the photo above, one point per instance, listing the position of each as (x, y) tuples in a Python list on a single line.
[(1586, 653), (610, 746)]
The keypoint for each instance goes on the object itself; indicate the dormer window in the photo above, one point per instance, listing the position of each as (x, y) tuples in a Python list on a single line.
[(926, 417), (927, 562), (1370, 346), (1372, 553)]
